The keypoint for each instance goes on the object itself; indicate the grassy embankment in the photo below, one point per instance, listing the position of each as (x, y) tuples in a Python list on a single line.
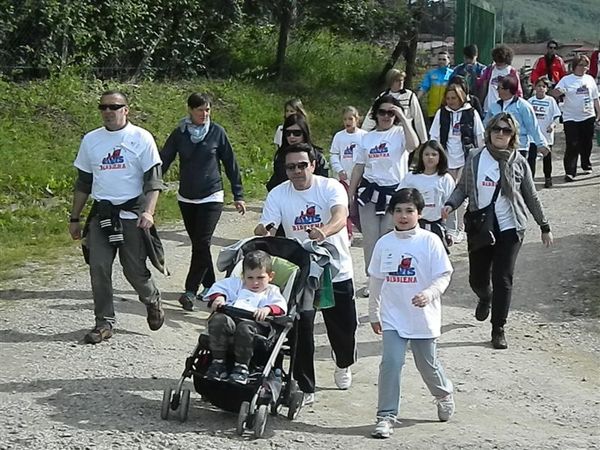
[(42, 122)]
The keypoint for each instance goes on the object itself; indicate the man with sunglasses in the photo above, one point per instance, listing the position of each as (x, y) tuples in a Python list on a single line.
[(549, 65), (310, 206), (119, 166)]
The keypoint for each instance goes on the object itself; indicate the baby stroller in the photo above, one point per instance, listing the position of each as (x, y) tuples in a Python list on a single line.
[(270, 386)]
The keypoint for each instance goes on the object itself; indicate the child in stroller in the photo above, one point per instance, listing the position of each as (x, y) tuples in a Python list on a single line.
[(252, 293), (269, 384)]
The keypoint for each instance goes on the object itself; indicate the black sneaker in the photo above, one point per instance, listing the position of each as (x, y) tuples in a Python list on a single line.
[(239, 374), (216, 371), (482, 311), (548, 183), (187, 300), (569, 178), (498, 338), (98, 334), (155, 316)]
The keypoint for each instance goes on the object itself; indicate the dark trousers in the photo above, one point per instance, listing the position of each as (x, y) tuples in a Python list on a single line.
[(200, 221), (532, 160), (223, 329), (579, 137), (341, 322), (495, 264)]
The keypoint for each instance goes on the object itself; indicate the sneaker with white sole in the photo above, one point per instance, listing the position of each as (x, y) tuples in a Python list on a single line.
[(384, 428), (445, 407), (342, 378), (309, 399)]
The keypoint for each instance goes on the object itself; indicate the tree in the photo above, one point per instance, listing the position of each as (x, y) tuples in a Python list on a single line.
[(543, 34), (523, 34)]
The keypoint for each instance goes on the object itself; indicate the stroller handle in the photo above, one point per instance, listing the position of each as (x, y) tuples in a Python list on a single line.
[(240, 313)]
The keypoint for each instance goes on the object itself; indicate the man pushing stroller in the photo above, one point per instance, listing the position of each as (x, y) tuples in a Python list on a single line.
[(253, 292)]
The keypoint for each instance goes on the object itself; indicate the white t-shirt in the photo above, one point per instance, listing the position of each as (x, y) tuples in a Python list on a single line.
[(492, 93), (435, 189), (580, 93), (384, 156), (488, 175), (278, 138), (546, 112), (342, 150), (299, 211), (117, 161), (408, 267), (236, 295), (454, 147)]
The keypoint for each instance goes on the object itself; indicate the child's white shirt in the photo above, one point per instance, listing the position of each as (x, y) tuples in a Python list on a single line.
[(435, 189), (342, 150), (236, 295), (409, 266), (546, 112)]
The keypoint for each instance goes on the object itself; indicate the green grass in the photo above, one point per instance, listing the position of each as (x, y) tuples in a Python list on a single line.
[(42, 122)]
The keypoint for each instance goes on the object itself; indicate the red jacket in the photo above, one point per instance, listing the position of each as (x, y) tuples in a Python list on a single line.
[(557, 70), (593, 71)]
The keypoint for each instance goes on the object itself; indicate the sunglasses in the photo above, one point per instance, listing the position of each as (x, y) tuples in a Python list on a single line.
[(296, 133), (102, 107), (301, 165), (386, 112), (506, 131)]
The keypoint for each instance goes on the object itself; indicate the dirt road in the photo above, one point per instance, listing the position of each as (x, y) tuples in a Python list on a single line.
[(542, 393)]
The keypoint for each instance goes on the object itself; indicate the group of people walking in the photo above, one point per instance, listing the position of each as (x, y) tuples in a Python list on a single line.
[(400, 179)]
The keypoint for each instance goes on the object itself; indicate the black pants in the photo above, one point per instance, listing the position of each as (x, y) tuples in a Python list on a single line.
[(579, 137), (547, 161), (495, 263), (341, 322), (200, 222)]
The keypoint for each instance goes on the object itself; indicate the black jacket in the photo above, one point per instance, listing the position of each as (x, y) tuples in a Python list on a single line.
[(200, 164)]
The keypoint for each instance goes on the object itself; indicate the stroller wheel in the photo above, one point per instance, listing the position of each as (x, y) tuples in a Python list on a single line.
[(295, 405), (184, 405), (242, 416), (260, 421), (275, 408), (166, 403)]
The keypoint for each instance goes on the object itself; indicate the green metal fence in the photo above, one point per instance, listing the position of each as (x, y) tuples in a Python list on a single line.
[(475, 24)]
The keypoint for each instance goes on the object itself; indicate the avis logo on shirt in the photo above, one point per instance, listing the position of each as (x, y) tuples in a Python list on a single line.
[(113, 161), (488, 182), (380, 151), (406, 273), (308, 219), (349, 151)]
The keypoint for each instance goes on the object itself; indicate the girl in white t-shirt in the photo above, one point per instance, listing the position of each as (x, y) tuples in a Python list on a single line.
[(408, 273), (292, 106), (344, 144), (432, 180)]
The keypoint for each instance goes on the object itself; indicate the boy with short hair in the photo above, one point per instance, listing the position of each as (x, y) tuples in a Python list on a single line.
[(547, 114), (253, 292), (409, 271)]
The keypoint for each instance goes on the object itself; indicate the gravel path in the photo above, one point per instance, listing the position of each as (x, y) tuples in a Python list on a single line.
[(542, 393)]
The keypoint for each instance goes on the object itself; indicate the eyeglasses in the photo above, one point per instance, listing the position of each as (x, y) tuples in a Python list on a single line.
[(506, 131), (301, 165), (296, 133), (386, 112), (102, 107)]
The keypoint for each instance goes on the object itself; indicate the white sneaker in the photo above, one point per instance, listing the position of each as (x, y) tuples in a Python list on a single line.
[(445, 407), (308, 399), (343, 378), (384, 428)]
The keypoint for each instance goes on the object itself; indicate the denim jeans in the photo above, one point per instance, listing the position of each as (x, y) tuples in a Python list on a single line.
[(390, 371)]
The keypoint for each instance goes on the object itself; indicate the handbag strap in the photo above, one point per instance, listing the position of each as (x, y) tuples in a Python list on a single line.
[(496, 193)]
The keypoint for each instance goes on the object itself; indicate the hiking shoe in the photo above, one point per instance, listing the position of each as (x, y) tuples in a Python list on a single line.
[(569, 178), (342, 378), (364, 292), (445, 407), (548, 183), (98, 334), (384, 428), (498, 338), (187, 300), (239, 374), (201, 296), (587, 170), (155, 316), (217, 370), (482, 311), (308, 399)]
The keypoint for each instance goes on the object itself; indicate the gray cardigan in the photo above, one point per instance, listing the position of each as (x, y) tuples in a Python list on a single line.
[(523, 186)]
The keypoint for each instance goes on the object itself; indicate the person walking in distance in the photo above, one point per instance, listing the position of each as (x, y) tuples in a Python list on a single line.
[(549, 65), (119, 167), (434, 84)]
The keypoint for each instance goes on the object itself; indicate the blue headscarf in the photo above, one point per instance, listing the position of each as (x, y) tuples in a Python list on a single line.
[(197, 132)]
